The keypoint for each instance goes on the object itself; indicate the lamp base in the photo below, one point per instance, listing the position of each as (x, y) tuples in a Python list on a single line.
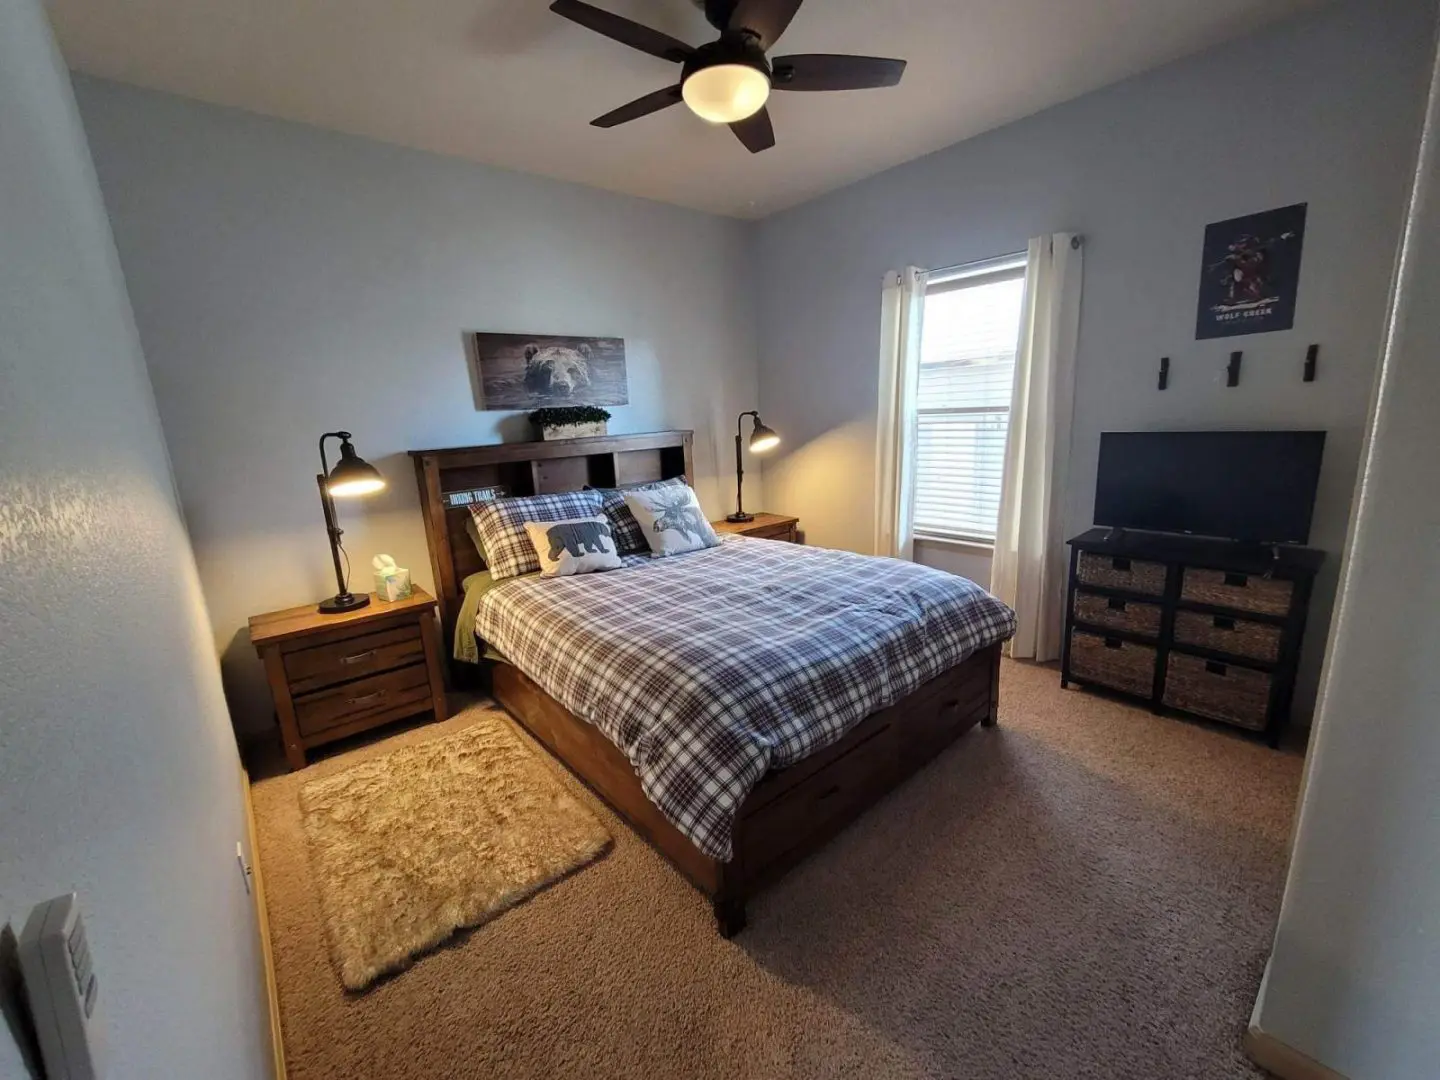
[(343, 602), (740, 519)]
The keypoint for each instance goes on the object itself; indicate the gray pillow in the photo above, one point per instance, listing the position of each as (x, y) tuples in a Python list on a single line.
[(629, 537), (576, 546), (671, 519)]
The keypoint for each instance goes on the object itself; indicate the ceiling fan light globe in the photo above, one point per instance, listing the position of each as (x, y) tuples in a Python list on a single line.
[(726, 93)]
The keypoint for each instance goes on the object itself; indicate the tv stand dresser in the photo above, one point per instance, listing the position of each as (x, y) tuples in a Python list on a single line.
[(1205, 628)]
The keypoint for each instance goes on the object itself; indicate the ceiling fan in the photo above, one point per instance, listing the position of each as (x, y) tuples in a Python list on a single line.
[(729, 80)]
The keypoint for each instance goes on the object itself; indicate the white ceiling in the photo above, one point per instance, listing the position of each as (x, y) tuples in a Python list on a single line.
[(509, 83)]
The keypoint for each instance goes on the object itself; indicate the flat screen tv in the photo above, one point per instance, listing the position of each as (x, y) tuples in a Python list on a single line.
[(1253, 486)]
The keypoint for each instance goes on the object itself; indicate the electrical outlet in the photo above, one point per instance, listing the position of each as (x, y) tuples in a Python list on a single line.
[(246, 872)]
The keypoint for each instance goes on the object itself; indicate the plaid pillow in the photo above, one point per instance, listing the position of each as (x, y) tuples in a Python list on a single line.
[(501, 525), (629, 536)]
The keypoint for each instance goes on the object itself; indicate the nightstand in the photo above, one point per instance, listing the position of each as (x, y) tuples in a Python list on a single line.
[(336, 675), (765, 526)]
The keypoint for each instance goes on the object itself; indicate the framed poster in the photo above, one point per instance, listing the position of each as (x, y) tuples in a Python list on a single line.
[(1250, 274), (536, 371)]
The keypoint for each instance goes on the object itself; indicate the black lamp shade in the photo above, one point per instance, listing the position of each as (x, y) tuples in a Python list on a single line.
[(353, 475), (763, 438)]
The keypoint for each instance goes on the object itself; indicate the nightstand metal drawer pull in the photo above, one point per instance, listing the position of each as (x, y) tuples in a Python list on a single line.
[(363, 698), (359, 656)]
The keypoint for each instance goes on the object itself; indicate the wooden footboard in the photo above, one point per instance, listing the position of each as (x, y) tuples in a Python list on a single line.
[(792, 811)]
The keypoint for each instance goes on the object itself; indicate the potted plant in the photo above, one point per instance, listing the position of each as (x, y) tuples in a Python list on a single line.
[(570, 421)]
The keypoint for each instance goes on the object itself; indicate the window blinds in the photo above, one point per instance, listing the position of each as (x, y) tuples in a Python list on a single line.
[(967, 371)]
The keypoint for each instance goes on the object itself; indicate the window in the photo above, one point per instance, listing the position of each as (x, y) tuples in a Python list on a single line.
[(968, 340)]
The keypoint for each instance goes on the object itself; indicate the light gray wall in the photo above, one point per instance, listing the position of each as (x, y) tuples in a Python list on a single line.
[(966, 560), (1323, 110), (118, 773), (1354, 981), (289, 281)]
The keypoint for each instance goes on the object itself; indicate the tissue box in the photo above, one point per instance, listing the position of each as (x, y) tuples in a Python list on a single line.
[(394, 584)]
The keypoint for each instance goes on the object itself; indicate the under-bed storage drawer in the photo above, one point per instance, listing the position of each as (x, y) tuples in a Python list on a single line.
[(796, 816), (1244, 592), (1113, 662), (1227, 634), (1229, 692), (352, 701), (1115, 614), (1115, 572)]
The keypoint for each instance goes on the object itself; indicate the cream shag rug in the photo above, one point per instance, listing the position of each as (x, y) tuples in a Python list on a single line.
[(411, 847)]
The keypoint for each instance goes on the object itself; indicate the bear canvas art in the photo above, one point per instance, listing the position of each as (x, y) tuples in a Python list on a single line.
[(536, 371)]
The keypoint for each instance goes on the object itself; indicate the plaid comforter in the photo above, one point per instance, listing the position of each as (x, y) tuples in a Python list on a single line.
[(711, 668)]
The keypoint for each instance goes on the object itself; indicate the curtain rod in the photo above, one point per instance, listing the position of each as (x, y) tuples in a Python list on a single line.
[(1076, 243)]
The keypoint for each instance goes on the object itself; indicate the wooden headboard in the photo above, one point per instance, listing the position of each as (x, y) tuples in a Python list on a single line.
[(531, 468)]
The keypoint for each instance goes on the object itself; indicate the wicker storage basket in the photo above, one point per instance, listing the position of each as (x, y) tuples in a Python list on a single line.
[(1120, 665), (1239, 637), (1244, 592), (1117, 573), (1132, 615), (1237, 695)]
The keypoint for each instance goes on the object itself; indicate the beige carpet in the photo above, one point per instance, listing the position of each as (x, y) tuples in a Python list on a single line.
[(407, 848), (1086, 891)]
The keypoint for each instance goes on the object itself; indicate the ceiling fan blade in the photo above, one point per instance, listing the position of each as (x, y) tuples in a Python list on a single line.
[(756, 132), (621, 29), (826, 71), (766, 18), (644, 106)]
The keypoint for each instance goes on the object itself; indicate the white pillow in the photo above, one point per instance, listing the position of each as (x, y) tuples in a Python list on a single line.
[(573, 546), (671, 519)]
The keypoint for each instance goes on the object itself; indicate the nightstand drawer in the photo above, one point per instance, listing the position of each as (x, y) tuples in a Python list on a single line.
[(353, 658), (774, 532), (353, 701)]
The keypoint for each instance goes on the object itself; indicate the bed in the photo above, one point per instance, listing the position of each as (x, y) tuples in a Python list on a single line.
[(737, 706)]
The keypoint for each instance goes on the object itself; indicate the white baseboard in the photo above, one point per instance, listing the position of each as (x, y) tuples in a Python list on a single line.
[(262, 926), (1284, 1060)]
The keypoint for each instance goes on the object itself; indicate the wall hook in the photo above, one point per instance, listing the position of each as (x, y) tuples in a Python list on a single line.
[(1164, 372), (1312, 357), (1232, 369)]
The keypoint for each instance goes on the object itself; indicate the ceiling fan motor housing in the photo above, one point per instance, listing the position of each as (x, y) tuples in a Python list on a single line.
[(740, 47), (717, 12)]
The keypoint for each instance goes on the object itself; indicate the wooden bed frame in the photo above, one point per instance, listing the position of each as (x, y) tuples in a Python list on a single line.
[(792, 811)]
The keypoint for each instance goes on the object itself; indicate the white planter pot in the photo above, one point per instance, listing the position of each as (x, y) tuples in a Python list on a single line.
[(574, 431)]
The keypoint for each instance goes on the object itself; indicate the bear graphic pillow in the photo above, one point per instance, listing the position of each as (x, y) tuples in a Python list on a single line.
[(576, 546), (671, 519)]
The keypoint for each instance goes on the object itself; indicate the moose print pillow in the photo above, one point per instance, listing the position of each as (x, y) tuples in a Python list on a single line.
[(671, 519), (576, 546)]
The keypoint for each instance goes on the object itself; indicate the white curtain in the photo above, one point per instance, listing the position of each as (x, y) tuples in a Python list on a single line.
[(1029, 568), (901, 314)]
